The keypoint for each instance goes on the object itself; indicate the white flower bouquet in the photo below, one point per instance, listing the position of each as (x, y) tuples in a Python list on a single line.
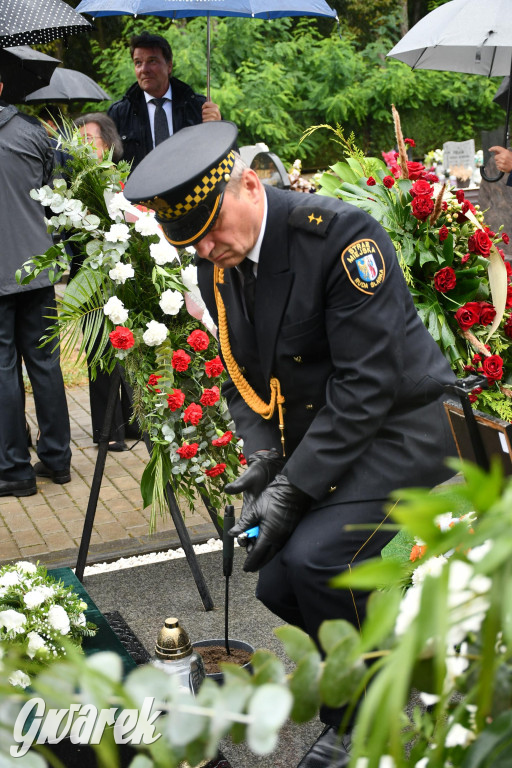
[(37, 613)]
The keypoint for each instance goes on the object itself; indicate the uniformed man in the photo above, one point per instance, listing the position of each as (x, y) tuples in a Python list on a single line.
[(334, 383)]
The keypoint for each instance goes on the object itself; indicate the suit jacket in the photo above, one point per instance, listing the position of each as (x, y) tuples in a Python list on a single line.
[(335, 322)]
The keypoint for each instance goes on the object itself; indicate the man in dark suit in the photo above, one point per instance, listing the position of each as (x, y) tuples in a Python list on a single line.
[(334, 383), (157, 105)]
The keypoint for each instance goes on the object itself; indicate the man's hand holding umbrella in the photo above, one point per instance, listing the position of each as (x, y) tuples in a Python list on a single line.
[(502, 158)]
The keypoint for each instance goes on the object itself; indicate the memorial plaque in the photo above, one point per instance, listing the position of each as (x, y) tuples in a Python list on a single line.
[(459, 154)]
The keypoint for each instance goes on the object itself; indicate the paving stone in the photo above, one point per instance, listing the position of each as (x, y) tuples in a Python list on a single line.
[(27, 538)]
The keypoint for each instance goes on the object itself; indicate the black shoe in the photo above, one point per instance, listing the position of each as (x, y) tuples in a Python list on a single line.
[(330, 750), (59, 476), (18, 487), (117, 445)]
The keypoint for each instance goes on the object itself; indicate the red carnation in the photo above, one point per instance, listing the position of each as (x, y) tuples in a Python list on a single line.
[(459, 194), (465, 258), (226, 438), (180, 360), (508, 267), (487, 313), (422, 207), (153, 381), (198, 340), (187, 451), (176, 399), (505, 238), (210, 396), (508, 327), (370, 181), (242, 459), (443, 233), (193, 414), (218, 469), (421, 188), (480, 243), (121, 338), (508, 301), (445, 280), (466, 206), (416, 170), (213, 367), (493, 367), (468, 315), (410, 142), (388, 181), (431, 177)]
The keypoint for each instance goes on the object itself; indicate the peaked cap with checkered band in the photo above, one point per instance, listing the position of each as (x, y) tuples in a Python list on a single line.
[(183, 180)]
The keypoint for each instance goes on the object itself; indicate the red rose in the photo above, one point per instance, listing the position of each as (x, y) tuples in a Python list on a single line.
[(421, 188), (226, 438), (198, 340), (218, 469), (213, 367), (468, 315), (459, 194), (422, 207), (505, 238), (487, 313), (443, 233), (193, 414), (445, 280), (187, 451), (410, 142), (480, 243), (210, 396), (508, 301), (153, 381), (388, 181), (493, 367), (242, 459), (508, 327), (180, 360), (416, 170), (176, 399), (121, 338), (370, 181)]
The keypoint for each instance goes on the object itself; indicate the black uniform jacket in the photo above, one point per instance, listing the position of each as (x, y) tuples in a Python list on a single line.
[(131, 117), (361, 375)]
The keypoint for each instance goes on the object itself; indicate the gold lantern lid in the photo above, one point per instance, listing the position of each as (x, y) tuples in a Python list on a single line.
[(172, 642)]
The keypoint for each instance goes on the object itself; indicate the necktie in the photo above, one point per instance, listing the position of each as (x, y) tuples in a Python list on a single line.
[(249, 288), (161, 124)]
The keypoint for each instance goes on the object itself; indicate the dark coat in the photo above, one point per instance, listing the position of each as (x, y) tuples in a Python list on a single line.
[(360, 374), (130, 115), (26, 162)]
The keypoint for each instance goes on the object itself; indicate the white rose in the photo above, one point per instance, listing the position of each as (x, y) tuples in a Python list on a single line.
[(58, 619), (19, 678), (189, 277), (121, 273), (9, 579), (171, 302), (156, 333), (146, 225), (26, 567), (37, 596), (115, 310), (118, 233), (163, 252), (12, 620), (35, 642)]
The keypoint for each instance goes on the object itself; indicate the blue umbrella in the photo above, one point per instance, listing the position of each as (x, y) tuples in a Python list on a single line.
[(179, 9)]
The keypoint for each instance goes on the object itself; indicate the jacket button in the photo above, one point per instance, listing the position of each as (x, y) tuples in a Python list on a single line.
[(309, 406), (332, 489), (297, 358), (241, 369)]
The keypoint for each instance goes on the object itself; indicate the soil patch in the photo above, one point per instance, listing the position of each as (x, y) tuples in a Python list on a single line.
[(214, 655)]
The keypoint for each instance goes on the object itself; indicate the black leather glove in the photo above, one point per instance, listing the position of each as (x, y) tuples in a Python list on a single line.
[(262, 467), (277, 510)]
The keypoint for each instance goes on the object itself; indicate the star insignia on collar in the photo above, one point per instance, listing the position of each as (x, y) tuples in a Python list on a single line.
[(317, 219)]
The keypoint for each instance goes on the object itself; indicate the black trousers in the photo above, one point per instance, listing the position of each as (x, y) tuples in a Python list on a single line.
[(294, 585), (22, 324)]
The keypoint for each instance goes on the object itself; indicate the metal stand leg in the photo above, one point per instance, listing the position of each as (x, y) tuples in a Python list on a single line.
[(118, 380)]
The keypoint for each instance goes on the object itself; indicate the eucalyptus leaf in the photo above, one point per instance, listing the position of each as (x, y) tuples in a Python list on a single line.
[(269, 708)]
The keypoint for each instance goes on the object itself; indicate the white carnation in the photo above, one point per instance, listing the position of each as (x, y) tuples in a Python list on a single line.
[(117, 204), (189, 277), (80, 620), (115, 310), (12, 620), (431, 567), (163, 252), (121, 273), (146, 225), (37, 596), (26, 567), (409, 609), (458, 736), (118, 233), (9, 579), (156, 333), (478, 553), (19, 678), (58, 619), (35, 642), (171, 302)]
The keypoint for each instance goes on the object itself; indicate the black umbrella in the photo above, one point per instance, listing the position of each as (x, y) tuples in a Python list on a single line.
[(23, 70), (68, 85), (25, 22), (501, 95)]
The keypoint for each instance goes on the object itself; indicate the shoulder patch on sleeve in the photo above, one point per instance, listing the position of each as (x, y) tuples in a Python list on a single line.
[(364, 265), (312, 218)]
